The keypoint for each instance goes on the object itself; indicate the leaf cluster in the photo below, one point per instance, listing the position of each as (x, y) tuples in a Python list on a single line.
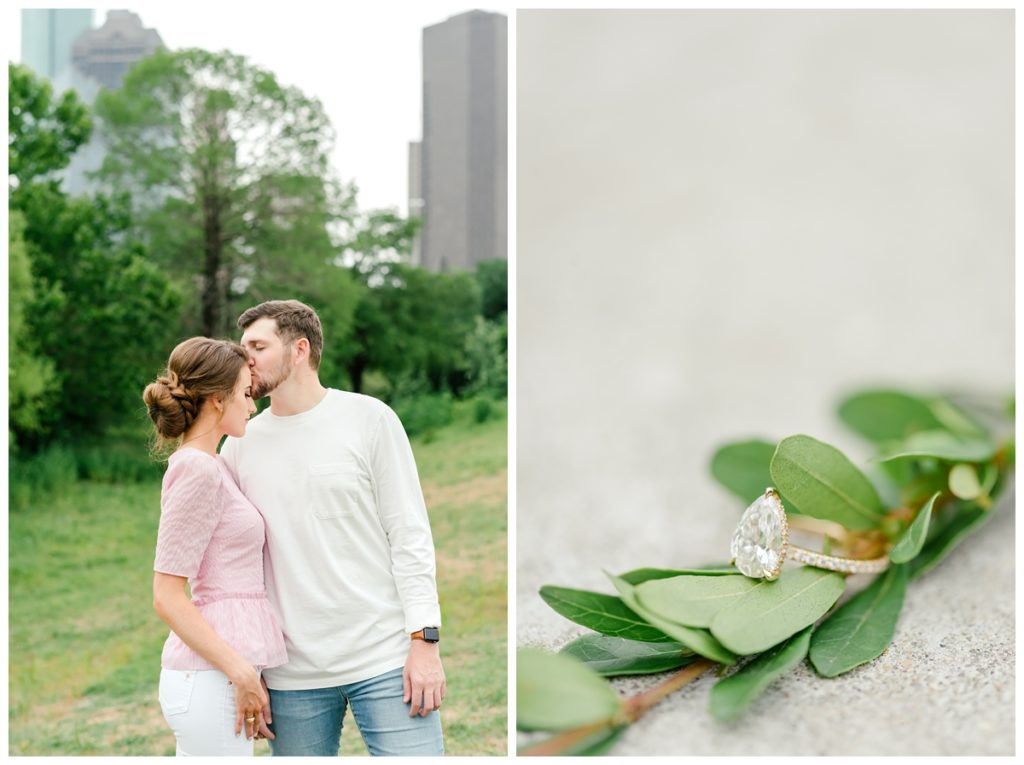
[(44, 130), (941, 465), (90, 315)]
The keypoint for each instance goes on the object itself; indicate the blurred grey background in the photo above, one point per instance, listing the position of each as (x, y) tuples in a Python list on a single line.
[(726, 221)]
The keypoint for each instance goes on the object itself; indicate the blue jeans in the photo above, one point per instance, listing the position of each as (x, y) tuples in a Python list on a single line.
[(308, 723)]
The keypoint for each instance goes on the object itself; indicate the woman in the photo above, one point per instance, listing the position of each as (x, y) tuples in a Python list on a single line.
[(212, 538)]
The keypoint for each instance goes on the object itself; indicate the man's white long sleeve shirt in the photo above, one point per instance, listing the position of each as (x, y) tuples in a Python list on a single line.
[(349, 556)]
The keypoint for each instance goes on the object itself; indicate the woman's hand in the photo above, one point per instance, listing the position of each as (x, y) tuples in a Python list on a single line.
[(250, 700), (173, 605)]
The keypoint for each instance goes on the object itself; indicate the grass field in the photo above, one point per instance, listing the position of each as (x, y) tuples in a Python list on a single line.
[(85, 643)]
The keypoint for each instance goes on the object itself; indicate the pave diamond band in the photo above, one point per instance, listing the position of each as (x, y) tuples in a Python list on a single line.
[(760, 544), (832, 563)]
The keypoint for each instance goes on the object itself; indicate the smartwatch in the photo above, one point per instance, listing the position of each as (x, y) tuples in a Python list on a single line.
[(427, 635)]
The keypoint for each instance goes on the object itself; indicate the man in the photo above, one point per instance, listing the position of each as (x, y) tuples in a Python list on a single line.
[(349, 554)]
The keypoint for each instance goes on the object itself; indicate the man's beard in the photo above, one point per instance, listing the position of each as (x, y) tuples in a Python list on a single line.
[(262, 387)]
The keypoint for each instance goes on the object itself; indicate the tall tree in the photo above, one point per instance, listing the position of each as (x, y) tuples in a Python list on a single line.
[(44, 131), (229, 173), (96, 309), (414, 325), (492, 275), (31, 378), (375, 242)]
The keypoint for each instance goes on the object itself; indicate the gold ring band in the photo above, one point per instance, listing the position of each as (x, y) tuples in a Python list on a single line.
[(760, 544)]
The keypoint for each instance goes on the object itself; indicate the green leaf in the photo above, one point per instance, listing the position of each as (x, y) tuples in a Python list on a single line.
[(641, 575), (888, 478), (821, 482), (913, 539), (938, 444), (773, 611), (887, 415), (692, 600), (602, 613), (965, 521), (742, 468), (989, 476), (923, 485), (611, 656), (556, 692), (964, 481), (597, 743), (955, 420), (862, 628), (730, 697), (698, 640)]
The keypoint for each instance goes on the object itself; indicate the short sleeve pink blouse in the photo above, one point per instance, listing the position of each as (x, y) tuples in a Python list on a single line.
[(214, 536)]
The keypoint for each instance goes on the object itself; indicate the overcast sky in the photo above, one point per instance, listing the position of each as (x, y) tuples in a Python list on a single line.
[(362, 60)]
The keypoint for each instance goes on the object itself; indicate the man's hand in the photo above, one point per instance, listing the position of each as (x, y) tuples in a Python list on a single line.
[(264, 731), (423, 678)]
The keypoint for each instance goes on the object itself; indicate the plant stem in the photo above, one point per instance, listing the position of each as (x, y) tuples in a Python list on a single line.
[(640, 703), (632, 709), (561, 742)]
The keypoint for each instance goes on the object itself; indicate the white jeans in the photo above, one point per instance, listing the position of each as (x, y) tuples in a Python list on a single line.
[(199, 705)]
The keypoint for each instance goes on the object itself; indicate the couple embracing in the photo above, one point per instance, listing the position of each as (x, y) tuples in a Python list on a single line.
[(307, 548)]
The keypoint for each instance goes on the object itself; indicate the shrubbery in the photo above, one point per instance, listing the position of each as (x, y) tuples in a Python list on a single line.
[(123, 458), (53, 471), (423, 413)]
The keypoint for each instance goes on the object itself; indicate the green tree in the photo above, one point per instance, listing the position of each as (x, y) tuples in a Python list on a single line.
[(376, 249), (31, 377), (376, 341), (487, 357), (104, 314), (44, 131), (413, 326), (376, 241), (100, 313), (492, 275), (444, 309), (230, 177)]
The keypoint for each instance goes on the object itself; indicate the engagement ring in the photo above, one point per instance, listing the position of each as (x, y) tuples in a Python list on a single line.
[(760, 544)]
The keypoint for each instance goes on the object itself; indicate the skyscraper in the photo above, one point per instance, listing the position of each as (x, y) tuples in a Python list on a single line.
[(47, 35), (415, 197), (460, 181), (47, 41), (61, 46), (107, 53)]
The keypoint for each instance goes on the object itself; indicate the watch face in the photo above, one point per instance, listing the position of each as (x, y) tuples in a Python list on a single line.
[(431, 634)]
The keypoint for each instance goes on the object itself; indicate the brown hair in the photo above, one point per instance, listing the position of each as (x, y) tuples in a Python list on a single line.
[(197, 369), (294, 320)]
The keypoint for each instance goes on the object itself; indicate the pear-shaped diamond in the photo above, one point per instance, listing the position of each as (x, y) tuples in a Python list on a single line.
[(759, 543)]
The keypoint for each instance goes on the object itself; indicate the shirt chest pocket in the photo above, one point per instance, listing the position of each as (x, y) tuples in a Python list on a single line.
[(337, 489)]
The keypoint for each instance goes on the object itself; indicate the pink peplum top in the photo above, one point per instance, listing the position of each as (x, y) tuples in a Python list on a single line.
[(214, 536)]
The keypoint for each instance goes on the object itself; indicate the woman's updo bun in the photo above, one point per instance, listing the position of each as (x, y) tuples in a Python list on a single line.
[(198, 369), (171, 407)]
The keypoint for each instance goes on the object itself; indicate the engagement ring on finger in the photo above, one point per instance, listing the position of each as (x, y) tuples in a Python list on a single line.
[(760, 544)]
